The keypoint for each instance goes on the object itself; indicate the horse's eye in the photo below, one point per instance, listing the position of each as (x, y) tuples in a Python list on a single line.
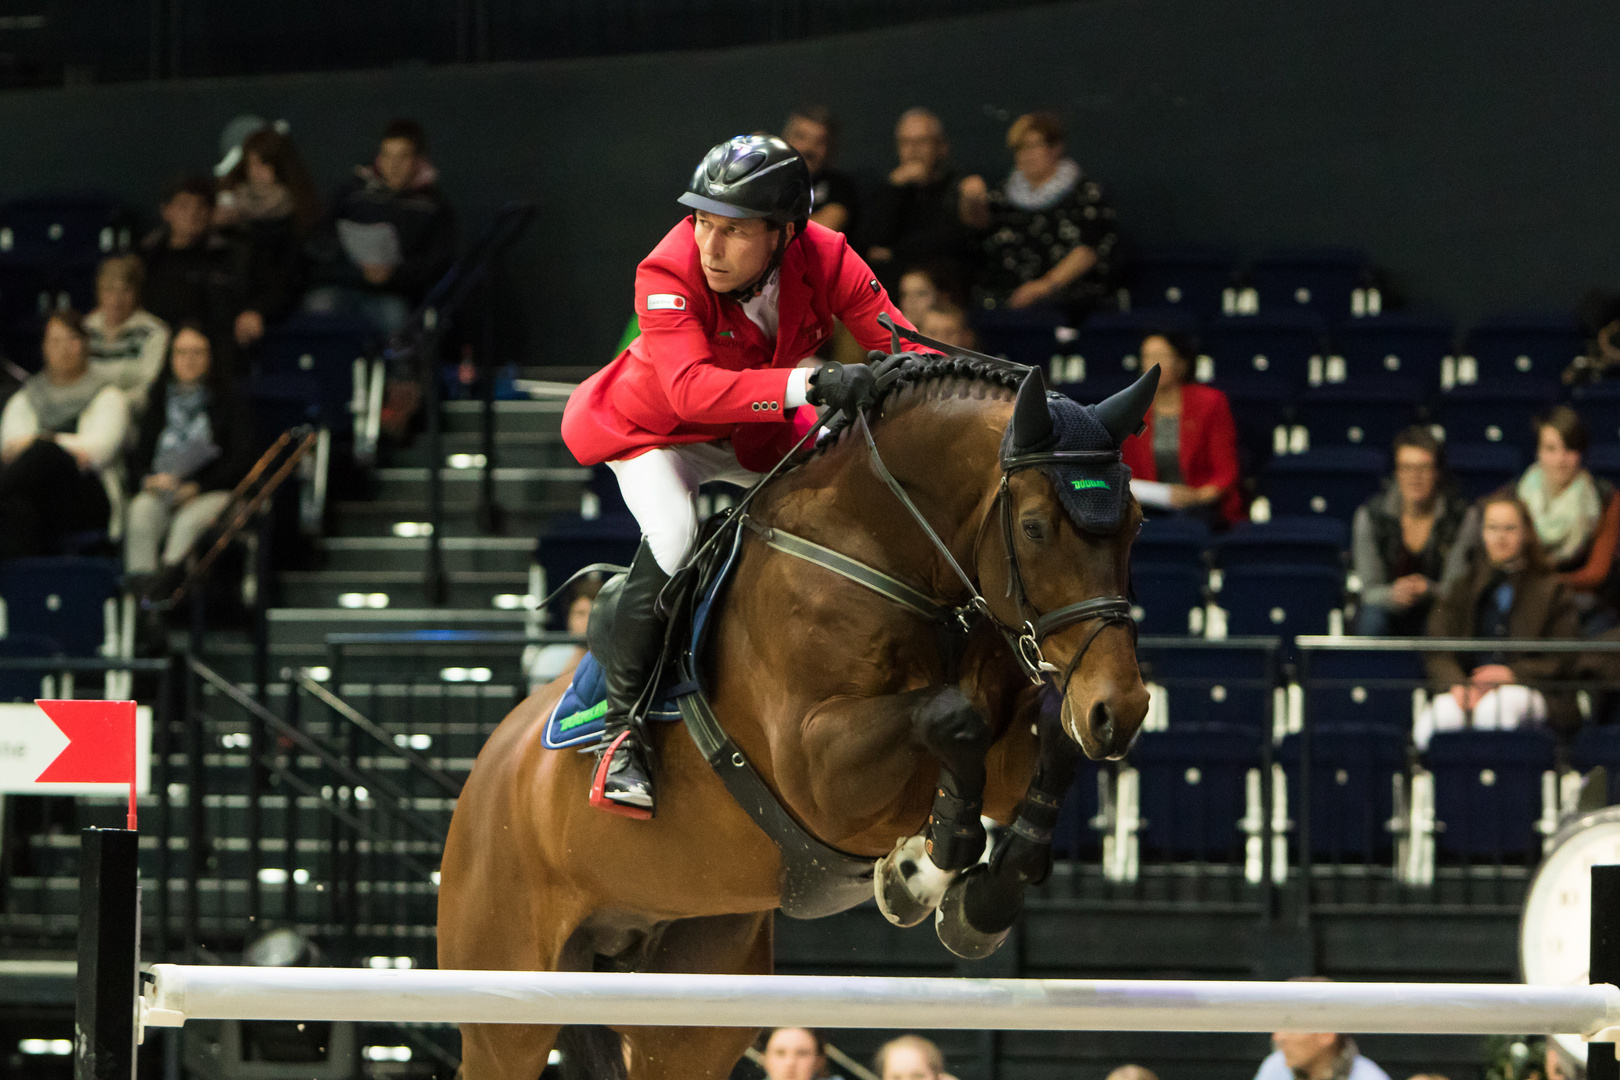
[(1035, 530)]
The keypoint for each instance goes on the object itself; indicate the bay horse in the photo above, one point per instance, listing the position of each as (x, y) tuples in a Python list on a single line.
[(866, 728)]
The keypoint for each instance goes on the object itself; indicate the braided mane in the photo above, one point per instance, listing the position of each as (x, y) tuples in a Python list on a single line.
[(916, 370)]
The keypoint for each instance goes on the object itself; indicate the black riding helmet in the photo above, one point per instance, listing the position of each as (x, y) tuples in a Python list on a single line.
[(753, 176)]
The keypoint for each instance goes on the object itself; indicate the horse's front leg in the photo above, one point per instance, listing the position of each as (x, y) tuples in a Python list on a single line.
[(866, 756), (981, 905)]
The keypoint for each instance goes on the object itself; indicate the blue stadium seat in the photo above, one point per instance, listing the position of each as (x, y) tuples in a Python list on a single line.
[(1599, 406), (1164, 596), (1400, 351), (24, 685), (1230, 687), (1332, 481), (1352, 794), (1317, 279), (1257, 411), (1295, 541), (1348, 688), (1347, 416), (1480, 468), (1193, 791), (63, 230), (1282, 600), (1190, 278), (1270, 351), (1107, 348), (569, 544), (1175, 540), (313, 356), (61, 598), (1074, 838), (1493, 415), (1487, 791), (1598, 745), (1512, 349), (1027, 335)]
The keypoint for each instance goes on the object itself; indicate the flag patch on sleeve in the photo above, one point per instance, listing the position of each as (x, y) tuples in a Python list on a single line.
[(666, 302)]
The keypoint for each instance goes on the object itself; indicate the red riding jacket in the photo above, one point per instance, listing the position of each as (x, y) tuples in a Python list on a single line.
[(702, 371)]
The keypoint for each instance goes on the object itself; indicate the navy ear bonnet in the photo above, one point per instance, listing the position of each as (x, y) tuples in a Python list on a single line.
[(1077, 447)]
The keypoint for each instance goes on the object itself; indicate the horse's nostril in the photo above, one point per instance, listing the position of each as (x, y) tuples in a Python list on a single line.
[(1102, 725)]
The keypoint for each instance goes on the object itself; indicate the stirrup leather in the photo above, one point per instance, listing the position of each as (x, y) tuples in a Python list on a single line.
[(602, 799)]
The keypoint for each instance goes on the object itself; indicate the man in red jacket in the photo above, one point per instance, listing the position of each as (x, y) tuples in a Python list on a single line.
[(730, 303)]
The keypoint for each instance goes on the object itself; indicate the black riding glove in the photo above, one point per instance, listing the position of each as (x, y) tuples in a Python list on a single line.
[(845, 388)]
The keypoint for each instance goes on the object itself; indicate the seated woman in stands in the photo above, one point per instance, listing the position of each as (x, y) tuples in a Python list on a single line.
[(60, 436), (195, 444), (1577, 516), (1402, 537), (1049, 237), (127, 342), (1509, 590), (1186, 461)]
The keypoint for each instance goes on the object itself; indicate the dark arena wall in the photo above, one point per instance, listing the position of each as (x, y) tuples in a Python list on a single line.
[(1468, 146)]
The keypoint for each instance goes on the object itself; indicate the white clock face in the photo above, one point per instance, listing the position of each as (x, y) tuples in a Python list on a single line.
[(1555, 934)]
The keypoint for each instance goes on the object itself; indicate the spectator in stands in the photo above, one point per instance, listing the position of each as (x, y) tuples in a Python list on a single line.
[(910, 1057), (127, 342), (1577, 516), (836, 200), (915, 217), (1402, 537), (191, 271), (60, 436), (793, 1053), (195, 444), (389, 234), (1507, 591), (1132, 1072), (1316, 1055), (1186, 461), (267, 204), (927, 286), (548, 662), (948, 323), (1049, 231)]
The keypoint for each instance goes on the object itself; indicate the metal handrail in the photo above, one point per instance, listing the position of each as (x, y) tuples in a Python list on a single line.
[(1329, 643), (348, 712)]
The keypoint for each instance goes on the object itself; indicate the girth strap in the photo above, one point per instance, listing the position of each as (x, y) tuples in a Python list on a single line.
[(889, 588)]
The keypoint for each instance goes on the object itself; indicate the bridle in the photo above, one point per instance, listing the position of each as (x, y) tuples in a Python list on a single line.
[(1025, 641)]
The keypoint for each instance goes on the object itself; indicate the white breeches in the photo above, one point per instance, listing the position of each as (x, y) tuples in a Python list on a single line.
[(1500, 709), (660, 488)]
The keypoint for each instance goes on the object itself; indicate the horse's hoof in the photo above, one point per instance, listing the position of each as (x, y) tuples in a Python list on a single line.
[(951, 922), (906, 883)]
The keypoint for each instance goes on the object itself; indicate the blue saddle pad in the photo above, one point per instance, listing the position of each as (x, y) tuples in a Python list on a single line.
[(576, 721)]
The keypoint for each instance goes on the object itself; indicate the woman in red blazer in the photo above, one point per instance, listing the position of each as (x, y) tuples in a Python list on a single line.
[(1190, 441), (729, 304)]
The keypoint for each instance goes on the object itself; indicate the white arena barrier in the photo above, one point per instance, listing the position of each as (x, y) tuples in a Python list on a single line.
[(180, 993)]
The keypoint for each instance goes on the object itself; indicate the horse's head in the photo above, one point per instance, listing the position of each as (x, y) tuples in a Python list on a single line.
[(1068, 519)]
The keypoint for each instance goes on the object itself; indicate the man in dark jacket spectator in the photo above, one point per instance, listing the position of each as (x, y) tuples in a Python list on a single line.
[(836, 200), (914, 218), (191, 271), (389, 236)]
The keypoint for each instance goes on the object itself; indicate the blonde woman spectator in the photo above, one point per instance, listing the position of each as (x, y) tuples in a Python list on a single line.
[(127, 342), (60, 436), (910, 1057)]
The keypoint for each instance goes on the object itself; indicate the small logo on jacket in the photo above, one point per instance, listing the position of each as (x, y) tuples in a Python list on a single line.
[(727, 334), (666, 302)]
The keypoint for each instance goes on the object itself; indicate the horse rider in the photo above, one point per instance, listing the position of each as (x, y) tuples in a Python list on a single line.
[(731, 303)]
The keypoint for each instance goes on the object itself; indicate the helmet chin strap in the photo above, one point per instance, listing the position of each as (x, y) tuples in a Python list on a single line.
[(748, 292)]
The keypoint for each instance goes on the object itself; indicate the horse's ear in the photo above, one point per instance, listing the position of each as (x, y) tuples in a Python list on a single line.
[(1123, 414), (1032, 419)]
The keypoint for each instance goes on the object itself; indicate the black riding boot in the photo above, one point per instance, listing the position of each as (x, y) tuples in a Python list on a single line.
[(625, 635)]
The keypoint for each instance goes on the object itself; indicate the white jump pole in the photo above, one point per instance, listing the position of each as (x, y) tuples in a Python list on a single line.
[(510, 997)]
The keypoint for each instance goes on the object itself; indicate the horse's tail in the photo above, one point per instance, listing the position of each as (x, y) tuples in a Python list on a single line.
[(590, 1052)]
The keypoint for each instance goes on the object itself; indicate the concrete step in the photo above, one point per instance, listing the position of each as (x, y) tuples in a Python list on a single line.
[(309, 626), (363, 588), (393, 553), (514, 487), (387, 517), (524, 449), (510, 416)]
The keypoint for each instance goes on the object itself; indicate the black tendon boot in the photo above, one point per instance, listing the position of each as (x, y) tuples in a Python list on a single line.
[(626, 635)]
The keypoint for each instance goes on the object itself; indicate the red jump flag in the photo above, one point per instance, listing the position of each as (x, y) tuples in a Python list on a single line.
[(101, 745)]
